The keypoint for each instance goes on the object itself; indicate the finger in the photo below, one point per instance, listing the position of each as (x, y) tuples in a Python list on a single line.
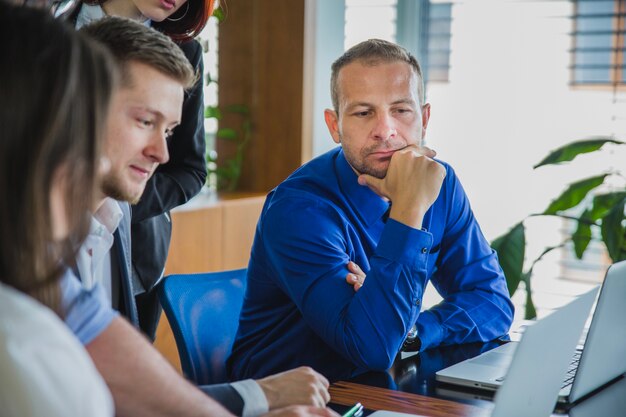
[(330, 413), (321, 400), (325, 395), (323, 381), (351, 279), (354, 267), (426, 151), (373, 183)]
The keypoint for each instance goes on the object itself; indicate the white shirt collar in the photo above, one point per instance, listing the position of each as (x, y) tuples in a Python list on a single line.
[(109, 214), (94, 257)]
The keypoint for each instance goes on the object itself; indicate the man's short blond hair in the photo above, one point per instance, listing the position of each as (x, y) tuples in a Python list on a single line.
[(130, 41), (374, 52)]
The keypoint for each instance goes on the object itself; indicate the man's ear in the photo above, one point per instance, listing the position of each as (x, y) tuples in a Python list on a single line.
[(425, 118), (332, 122)]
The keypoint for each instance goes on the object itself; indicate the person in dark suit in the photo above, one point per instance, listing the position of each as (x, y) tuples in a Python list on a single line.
[(145, 111)]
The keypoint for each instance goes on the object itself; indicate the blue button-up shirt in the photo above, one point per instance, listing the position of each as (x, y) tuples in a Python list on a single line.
[(298, 309)]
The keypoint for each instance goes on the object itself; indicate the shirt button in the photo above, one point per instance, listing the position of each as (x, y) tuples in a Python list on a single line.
[(417, 302), (424, 250)]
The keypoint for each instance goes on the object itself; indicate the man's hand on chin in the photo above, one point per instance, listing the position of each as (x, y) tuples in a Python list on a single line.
[(412, 184)]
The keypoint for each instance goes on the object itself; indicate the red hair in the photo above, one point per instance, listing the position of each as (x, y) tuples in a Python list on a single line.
[(191, 23)]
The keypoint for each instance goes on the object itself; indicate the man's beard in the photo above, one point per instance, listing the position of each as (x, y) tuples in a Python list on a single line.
[(112, 187), (362, 168), (361, 165)]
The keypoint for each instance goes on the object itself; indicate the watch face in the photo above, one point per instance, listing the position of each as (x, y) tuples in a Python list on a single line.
[(412, 343)]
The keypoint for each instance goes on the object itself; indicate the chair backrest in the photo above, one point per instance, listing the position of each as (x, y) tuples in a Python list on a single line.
[(203, 311)]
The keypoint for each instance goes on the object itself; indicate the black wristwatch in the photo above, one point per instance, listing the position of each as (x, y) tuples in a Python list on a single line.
[(412, 343)]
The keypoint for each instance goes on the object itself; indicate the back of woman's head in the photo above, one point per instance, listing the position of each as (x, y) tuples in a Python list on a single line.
[(54, 99)]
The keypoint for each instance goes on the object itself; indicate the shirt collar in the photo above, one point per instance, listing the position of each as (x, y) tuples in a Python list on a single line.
[(365, 202), (109, 214), (91, 12)]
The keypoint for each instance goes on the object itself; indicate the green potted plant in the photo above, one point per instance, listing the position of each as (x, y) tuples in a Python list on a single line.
[(226, 171), (602, 210)]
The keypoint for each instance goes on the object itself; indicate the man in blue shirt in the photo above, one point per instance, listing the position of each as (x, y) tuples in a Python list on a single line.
[(380, 201)]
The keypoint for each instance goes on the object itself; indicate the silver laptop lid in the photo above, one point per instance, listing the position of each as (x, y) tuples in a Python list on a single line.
[(604, 355), (533, 381)]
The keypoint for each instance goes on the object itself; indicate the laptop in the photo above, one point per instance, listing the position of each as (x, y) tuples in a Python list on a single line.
[(599, 362), (520, 395)]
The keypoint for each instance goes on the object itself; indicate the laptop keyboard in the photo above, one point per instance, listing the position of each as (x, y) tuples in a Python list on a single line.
[(571, 371)]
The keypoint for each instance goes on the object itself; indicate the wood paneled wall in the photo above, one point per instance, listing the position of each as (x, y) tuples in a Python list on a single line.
[(261, 53), (214, 234)]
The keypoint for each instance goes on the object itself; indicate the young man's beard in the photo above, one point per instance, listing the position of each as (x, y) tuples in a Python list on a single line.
[(112, 188)]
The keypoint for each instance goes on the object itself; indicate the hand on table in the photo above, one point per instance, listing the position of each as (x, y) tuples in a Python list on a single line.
[(302, 411), (300, 386)]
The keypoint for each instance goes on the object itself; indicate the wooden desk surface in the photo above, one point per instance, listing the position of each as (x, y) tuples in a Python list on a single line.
[(410, 387), (374, 398)]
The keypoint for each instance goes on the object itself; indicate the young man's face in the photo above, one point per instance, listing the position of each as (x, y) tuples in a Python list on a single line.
[(379, 113), (143, 114)]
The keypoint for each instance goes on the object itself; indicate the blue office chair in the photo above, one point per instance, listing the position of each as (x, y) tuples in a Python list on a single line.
[(203, 311)]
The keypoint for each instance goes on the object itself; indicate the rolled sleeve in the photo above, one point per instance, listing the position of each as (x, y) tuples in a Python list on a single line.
[(87, 313)]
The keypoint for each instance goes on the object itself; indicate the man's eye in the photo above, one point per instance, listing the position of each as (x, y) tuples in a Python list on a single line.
[(145, 122), (362, 113)]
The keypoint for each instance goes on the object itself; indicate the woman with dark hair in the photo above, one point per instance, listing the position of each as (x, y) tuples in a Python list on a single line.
[(54, 99), (177, 181)]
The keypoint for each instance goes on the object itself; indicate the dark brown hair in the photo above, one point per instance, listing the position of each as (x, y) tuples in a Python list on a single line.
[(373, 52), (130, 41), (56, 86)]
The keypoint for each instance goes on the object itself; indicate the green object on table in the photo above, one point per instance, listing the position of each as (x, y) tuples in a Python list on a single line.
[(354, 411)]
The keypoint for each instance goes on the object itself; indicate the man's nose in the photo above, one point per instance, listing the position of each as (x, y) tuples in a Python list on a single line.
[(157, 150), (385, 127)]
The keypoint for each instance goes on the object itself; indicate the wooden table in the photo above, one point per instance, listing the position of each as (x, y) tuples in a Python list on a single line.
[(374, 398), (410, 387)]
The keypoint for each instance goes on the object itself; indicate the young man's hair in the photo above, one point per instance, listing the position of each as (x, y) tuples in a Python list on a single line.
[(56, 88), (130, 41), (374, 52)]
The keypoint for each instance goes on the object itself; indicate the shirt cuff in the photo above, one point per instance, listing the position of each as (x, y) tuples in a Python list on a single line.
[(254, 401), (404, 244), (430, 331)]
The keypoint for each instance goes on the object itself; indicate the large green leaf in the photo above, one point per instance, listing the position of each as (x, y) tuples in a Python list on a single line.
[(613, 231), (511, 248), (573, 149), (574, 194), (603, 203), (582, 235)]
